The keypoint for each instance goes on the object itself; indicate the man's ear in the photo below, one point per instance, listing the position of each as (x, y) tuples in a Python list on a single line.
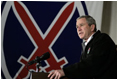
[(92, 27)]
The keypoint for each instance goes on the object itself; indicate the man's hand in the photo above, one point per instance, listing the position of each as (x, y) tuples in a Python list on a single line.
[(57, 74)]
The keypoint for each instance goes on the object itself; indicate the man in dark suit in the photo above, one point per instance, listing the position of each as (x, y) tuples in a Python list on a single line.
[(99, 54)]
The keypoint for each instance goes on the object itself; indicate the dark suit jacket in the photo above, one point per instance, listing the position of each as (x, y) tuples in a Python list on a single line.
[(99, 61)]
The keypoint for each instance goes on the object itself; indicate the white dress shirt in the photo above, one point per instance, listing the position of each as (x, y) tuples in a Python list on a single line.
[(86, 42)]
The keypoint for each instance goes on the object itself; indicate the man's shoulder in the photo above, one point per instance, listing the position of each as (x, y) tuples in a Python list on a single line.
[(102, 38), (101, 35)]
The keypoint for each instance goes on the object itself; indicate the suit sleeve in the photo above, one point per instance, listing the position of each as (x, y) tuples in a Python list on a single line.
[(102, 55)]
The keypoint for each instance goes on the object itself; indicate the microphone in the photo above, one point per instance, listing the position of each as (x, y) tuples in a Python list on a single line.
[(38, 59)]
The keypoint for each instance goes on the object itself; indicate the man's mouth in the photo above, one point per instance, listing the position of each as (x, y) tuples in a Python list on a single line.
[(80, 33)]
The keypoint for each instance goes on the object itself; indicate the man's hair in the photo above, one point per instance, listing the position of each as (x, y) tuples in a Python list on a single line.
[(90, 20)]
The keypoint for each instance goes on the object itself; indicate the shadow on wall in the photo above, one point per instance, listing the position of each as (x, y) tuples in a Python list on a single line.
[(106, 17)]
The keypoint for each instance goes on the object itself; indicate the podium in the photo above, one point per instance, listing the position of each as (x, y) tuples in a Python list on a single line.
[(39, 75), (42, 75)]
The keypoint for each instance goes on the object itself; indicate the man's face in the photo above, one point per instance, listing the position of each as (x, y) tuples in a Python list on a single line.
[(83, 29)]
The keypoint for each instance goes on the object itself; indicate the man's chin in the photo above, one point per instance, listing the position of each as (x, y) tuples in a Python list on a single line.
[(80, 37)]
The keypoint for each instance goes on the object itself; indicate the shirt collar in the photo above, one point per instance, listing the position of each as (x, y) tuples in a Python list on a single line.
[(86, 42)]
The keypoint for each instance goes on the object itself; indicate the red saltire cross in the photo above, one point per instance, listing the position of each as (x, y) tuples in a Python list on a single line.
[(43, 44)]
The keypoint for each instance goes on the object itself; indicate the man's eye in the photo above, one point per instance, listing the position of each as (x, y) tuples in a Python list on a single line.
[(81, 25), (76, 26)]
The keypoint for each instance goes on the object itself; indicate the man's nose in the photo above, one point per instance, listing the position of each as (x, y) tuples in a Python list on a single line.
[(79, 28)]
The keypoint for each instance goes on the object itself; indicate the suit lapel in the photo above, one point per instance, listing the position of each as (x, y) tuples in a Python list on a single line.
[(88, 47)]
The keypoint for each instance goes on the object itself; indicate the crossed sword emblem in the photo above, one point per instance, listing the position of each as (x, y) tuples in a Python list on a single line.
[(43, 44)]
